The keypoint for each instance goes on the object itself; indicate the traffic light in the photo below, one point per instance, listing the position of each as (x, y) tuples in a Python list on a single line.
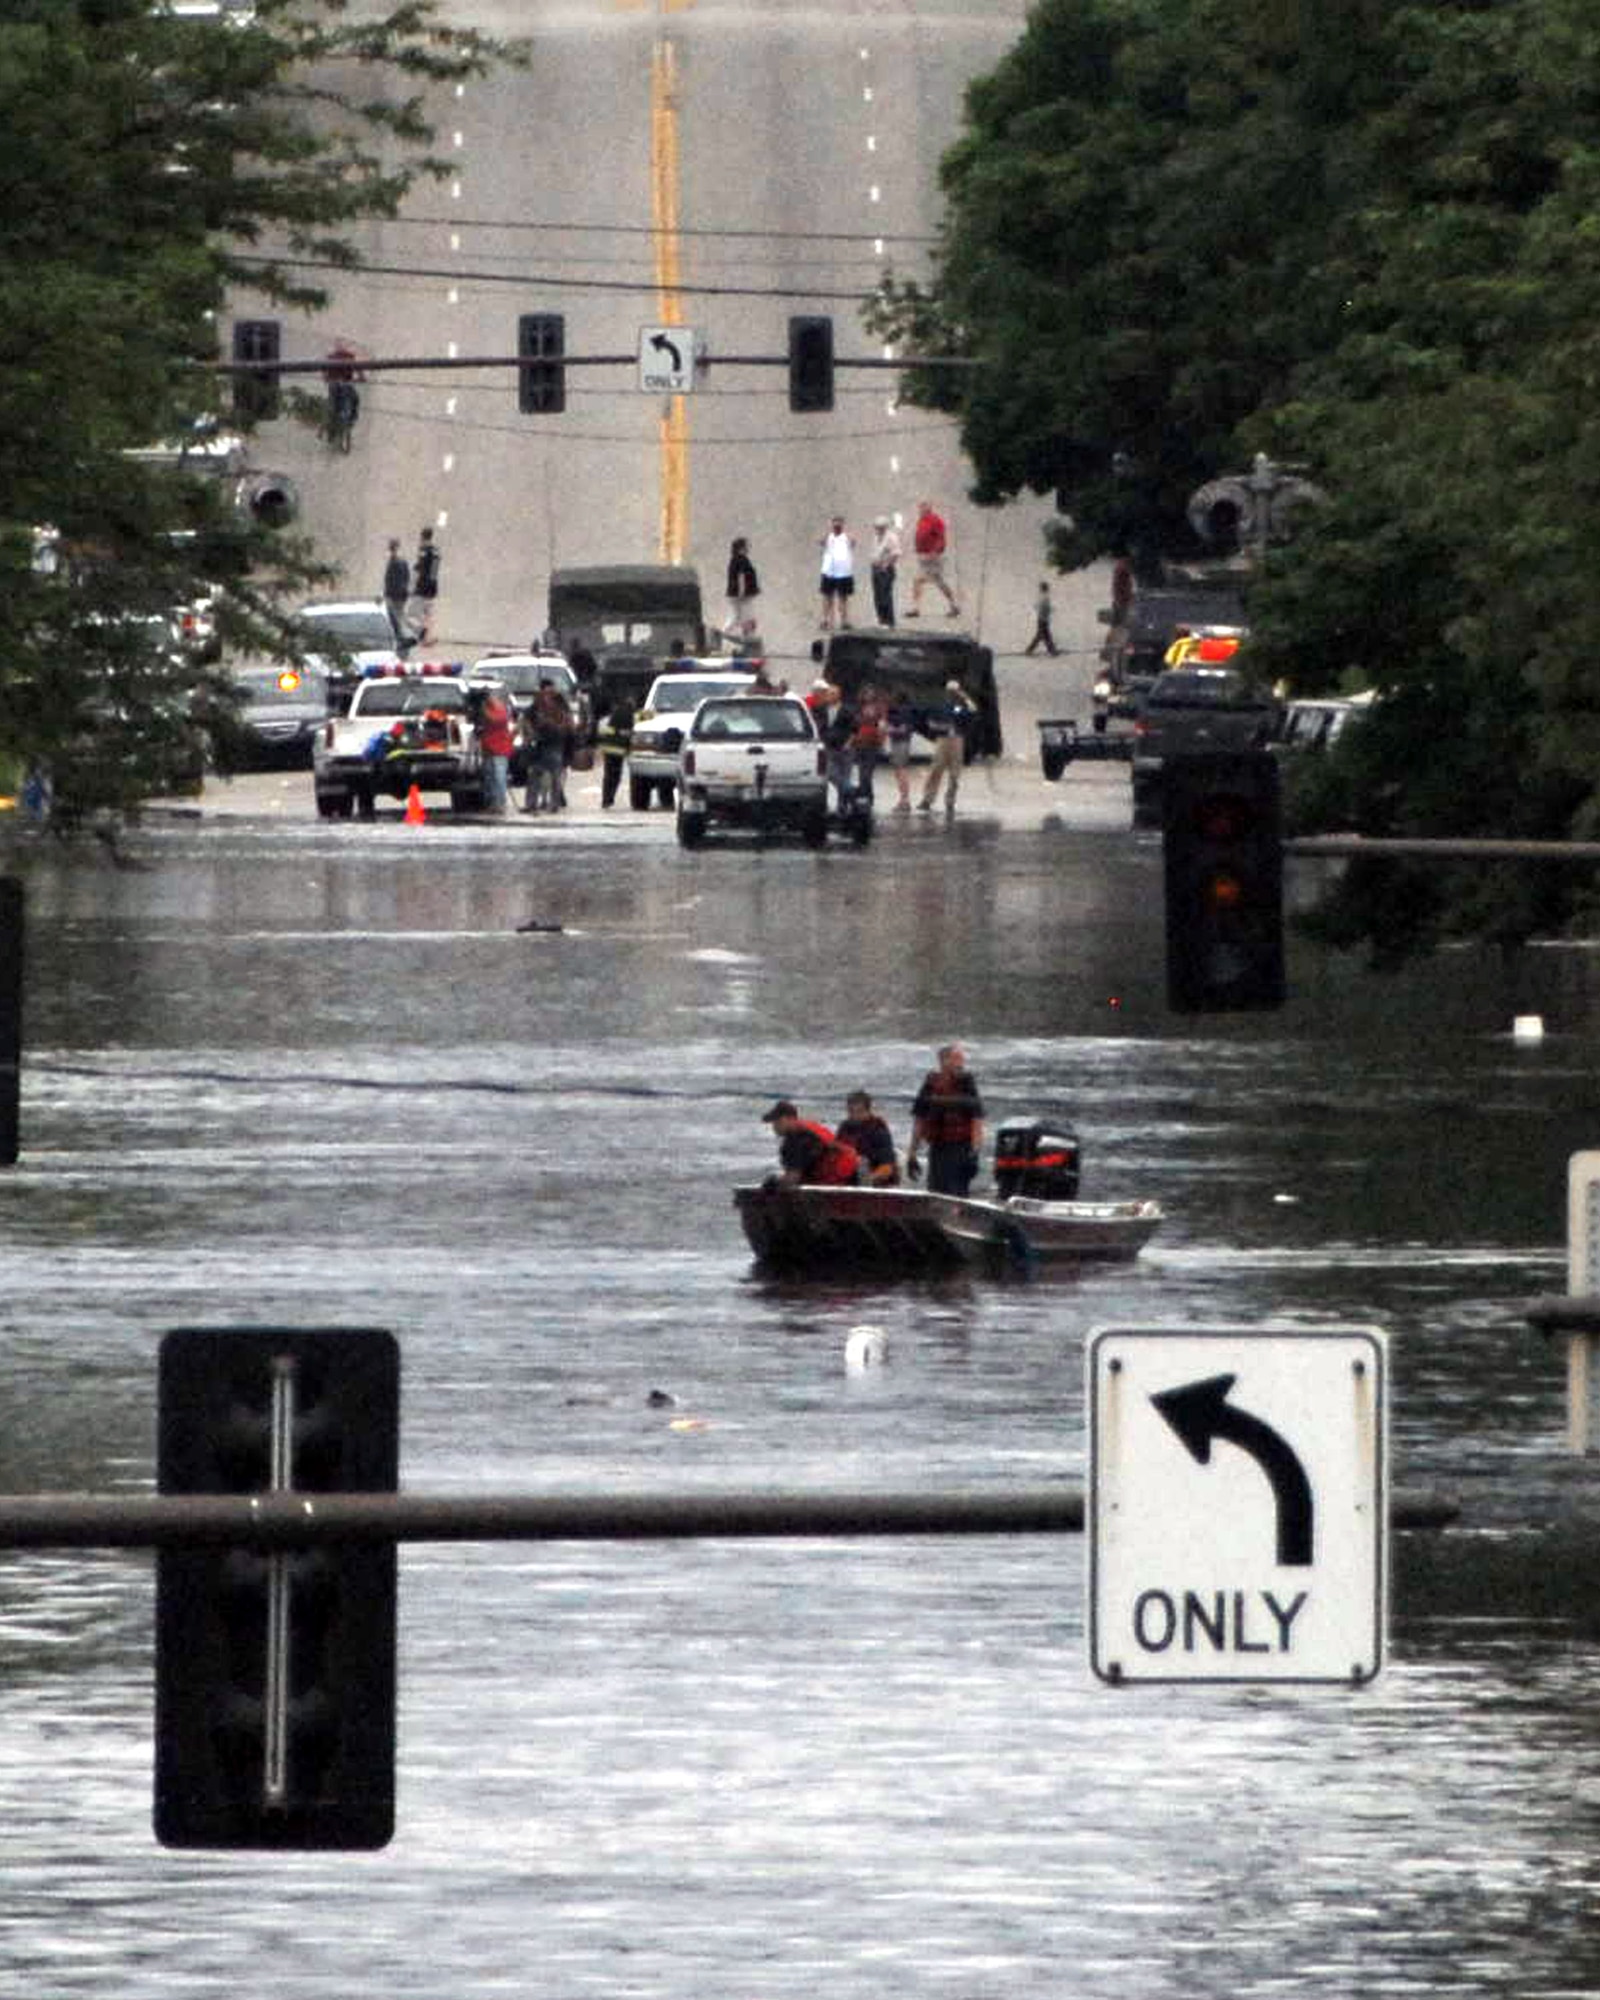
[(810, 362), (1223, 855), (275, 1672), (255, 397), (541, 378)]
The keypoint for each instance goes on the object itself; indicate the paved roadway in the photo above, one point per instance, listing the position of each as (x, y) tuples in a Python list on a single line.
[(779, 157)]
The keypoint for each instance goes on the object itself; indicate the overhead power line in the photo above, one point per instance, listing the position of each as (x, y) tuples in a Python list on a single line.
[(649, 229), (542, 281)]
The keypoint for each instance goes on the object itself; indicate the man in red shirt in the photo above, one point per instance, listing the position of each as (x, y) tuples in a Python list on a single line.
[(496, 742), (930, 541)]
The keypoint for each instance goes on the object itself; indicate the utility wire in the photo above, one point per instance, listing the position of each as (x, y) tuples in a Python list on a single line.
[(544, 282)]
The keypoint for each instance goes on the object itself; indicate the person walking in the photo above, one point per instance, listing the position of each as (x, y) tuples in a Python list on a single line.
[(947, 1117), (946, 729), (614, 739), (885, 561), (396, 593), (496, 740), (1043, 611), (744, 587), (838, 547), (872, 722), (425, 586), (931, 540)]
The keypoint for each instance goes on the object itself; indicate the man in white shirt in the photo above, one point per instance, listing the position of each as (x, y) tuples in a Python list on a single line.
[(885, 561), (838, 575)]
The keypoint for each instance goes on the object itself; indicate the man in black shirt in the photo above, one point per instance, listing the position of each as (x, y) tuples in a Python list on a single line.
[(872, 1139)]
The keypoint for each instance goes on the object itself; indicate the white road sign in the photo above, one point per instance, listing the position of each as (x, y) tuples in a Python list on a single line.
[(1238, 1503), (666, 358)]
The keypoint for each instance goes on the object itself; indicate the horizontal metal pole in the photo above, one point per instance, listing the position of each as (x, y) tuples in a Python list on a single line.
[(395, 363), (286, 1520), (1346, 846)]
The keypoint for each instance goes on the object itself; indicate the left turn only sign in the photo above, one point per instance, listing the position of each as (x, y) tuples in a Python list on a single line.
[(1238, 1509), (667, 356)]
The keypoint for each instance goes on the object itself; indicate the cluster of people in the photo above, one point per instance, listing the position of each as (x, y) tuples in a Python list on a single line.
[(862, 733), (411, 591), (946, 1123), (930, 542), (540, 741)]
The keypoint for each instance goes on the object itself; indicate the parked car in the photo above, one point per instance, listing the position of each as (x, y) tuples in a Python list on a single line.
[(1136, 652), (1317, 722), (661, 725), (281, 709), (403, 728), (1191, 710), (343, 638), (755, 764), (520, 674)]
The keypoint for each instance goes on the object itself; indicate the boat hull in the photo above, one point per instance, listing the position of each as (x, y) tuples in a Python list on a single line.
[(820, 1231)]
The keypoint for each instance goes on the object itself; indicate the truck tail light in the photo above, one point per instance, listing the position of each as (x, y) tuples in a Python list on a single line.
[(688, 763)]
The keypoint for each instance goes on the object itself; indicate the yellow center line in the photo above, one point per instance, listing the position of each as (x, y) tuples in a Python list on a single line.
[(674, 534)]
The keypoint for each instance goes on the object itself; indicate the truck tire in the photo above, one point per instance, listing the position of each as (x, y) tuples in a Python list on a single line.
[(1053, 761), (814, 828), (468, 800), (333, 805), (691, 828), (365, 805), (639, 790), (667, 790)]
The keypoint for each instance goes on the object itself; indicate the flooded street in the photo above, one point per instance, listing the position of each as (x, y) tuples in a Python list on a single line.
[(318, 1076)]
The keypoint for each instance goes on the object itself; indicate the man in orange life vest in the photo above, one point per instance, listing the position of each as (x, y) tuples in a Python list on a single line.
[(947, 1118), (807, 1151)]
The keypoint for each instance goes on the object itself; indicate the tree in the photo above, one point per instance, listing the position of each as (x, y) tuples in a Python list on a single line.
[(1359, 235), (154, 166)]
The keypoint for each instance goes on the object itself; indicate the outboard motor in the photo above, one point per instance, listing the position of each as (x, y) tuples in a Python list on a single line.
[(1038, 1160)]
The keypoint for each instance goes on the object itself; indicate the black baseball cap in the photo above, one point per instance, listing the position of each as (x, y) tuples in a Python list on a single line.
[(782, 1109)]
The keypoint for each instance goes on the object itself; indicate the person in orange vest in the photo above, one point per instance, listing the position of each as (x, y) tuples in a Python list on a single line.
[(808, 1153)]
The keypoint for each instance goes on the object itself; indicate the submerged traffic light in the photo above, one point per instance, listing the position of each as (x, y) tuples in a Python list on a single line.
[(1223, 855), (810, 362), (541, 376), (275, 1670)]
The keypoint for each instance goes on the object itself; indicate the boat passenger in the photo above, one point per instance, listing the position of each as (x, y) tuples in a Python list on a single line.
[(869, 1133), (947, 1117), (808, 1153)]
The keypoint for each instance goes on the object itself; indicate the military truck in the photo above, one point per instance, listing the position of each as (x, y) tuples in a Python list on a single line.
[(626, 615)]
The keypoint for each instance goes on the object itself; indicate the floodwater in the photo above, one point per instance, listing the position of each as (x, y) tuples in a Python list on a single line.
[(315, 1077)]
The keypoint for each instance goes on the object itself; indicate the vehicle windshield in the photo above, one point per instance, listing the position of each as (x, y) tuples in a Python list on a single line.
[(524, 676), (1178, 690), (751, 716), (682, 692), (411, 697), (357, 627)]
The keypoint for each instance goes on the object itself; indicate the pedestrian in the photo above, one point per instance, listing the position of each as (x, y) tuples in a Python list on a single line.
[(872, 722), (837, 720), (1121, 588), (396, 592), (808, 1153), (548, 725), (885, 561), (425, 586), (931, 540), (614, 739), (496, 741), (947, 1118), (744, 587), (838, 547), (863, 1128), (946, 729), (1042, 614), (897, 731)]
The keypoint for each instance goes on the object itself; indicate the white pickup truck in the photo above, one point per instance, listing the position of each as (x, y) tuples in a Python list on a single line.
[(755, 762), (403, 728)]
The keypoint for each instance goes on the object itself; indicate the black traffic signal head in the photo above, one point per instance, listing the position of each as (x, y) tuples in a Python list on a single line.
[(275, 1673), (810, 362), (541, 376), (1223, 854)]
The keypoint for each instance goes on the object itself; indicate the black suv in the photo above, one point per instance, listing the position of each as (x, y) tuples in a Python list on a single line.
[(1134, 653)]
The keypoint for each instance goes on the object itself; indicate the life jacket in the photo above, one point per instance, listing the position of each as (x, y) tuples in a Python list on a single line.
[(840, 1159), (949, 1118)]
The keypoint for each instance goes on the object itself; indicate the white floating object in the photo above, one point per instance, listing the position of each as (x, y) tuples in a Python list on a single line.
[(1528, 1028), (867, 1347)]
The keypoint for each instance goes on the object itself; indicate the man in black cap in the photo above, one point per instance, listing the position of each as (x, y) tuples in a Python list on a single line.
[(808, 1152)]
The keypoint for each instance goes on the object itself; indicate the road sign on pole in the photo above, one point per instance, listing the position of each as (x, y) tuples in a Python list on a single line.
[(1238, 1511), (666, 359)]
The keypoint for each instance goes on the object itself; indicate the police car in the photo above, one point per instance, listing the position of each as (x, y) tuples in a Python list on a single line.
[(405, 726)]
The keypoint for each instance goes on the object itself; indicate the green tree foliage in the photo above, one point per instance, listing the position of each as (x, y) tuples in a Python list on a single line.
[(155, 165), (1364, 236)]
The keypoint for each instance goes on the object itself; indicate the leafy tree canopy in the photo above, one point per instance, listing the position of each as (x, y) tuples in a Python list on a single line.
[(1363, 236), (156, 165)]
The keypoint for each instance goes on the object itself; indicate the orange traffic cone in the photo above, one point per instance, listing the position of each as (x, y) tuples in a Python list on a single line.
[(416, 813)]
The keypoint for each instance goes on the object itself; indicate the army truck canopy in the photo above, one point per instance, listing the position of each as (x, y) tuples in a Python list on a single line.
[(627, 615), (913, 669)]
